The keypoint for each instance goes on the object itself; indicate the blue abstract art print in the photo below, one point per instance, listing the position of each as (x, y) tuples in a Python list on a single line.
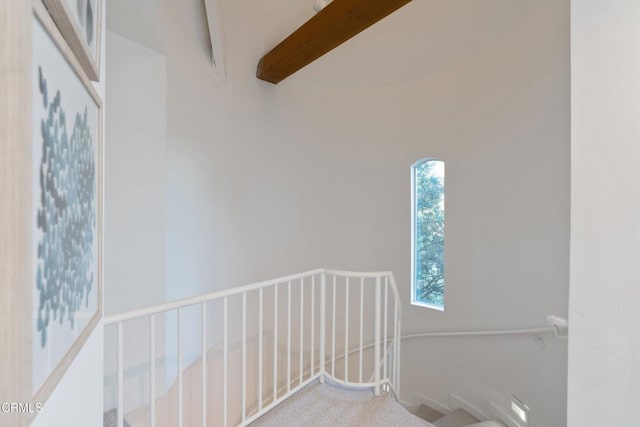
[(66, 137)]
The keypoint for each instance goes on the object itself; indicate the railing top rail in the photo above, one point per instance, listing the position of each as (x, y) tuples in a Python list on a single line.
[(364, 274), (185, 302)]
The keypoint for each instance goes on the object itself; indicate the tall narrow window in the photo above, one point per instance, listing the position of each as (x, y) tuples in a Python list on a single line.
[(427, 179)]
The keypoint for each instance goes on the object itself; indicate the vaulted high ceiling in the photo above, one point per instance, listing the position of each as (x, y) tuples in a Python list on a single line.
[(421, 39)]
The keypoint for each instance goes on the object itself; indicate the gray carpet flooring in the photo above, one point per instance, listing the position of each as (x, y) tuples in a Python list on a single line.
[(337, 406)]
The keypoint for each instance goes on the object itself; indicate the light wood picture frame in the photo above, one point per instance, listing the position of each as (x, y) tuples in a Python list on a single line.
[(79, 22), (51, 208)]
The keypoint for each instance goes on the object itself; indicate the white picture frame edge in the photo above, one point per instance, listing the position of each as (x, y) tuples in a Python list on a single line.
[(15, 206), (72, 34)]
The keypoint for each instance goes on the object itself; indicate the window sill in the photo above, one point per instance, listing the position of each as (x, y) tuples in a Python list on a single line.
[(428, 305)]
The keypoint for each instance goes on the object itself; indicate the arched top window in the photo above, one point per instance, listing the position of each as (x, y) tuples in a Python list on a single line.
[(427, 240)]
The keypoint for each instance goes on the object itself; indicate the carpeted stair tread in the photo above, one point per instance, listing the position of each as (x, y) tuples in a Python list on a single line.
[(456, 418), (492, 423), (110, 419), (428, 414), (331, 405)]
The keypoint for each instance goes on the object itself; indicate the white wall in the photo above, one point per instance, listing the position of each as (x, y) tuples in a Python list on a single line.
[(604, 351), (266, 180), (135, 205), (136, 182), (77, 399)]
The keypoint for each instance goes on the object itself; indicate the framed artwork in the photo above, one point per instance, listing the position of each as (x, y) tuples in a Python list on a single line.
[(79, 22), (51, 196)]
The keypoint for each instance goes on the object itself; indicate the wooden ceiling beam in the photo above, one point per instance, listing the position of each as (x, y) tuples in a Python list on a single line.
[(328, 29)]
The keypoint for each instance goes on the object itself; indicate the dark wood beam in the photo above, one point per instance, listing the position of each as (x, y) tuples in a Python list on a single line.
[(328, 29)]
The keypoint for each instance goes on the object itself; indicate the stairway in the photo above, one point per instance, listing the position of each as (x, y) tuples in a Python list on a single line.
[(455, 418)]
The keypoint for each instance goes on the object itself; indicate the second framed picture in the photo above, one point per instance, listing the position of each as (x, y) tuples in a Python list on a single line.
[(79, 22)]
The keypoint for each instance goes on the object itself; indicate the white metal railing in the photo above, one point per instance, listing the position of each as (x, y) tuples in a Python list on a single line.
[(330, 321)]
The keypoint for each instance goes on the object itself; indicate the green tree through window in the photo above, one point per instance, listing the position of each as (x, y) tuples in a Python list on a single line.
[(428, 233)]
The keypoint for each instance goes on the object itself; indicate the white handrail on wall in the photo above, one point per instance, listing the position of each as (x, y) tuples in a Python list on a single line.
[(483, 333), (385, 319)]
